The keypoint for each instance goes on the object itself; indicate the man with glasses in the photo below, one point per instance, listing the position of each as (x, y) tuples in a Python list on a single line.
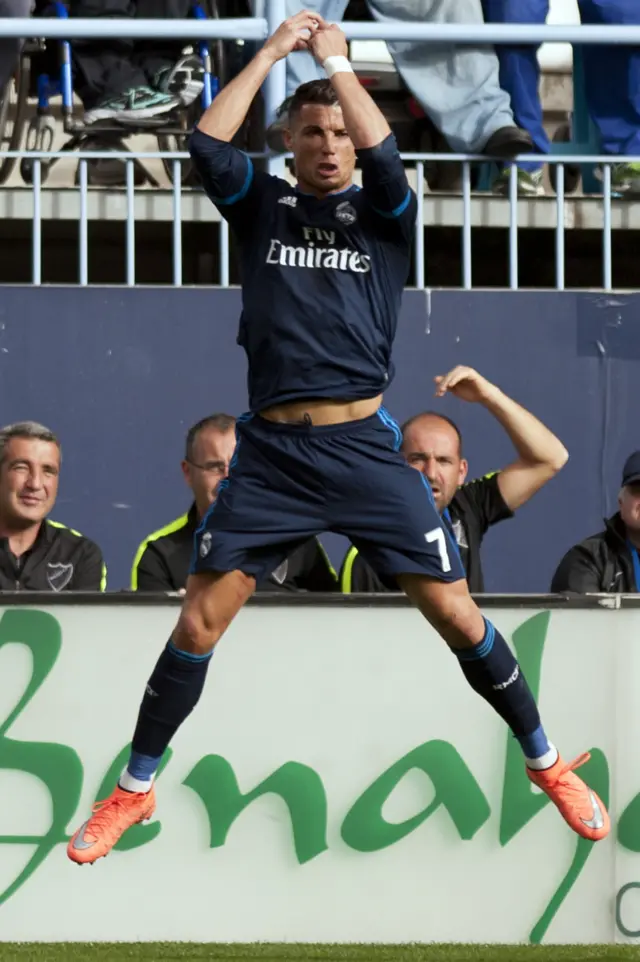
[(163, 559)]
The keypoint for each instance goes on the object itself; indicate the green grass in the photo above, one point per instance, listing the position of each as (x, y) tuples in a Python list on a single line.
[(192, 952)]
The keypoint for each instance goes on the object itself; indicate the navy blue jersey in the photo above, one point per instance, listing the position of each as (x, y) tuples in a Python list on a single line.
[(322, 280)]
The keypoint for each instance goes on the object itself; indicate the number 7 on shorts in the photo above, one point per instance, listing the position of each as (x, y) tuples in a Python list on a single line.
[(437, 535)]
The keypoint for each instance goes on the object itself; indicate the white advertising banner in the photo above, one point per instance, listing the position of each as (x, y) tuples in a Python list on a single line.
[(338, 781)]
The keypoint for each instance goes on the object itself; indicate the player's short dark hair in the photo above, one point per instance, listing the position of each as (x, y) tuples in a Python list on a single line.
[(314, 92), (434, 414), (220, 422)]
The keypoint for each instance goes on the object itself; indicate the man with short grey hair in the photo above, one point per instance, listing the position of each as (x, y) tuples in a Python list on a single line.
[(37, 554)]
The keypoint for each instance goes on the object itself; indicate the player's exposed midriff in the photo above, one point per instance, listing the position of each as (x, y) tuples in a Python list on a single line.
[(322, 410)]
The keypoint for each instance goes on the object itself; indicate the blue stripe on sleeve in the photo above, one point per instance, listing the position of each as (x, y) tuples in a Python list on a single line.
[(400, 209), (244, 190)]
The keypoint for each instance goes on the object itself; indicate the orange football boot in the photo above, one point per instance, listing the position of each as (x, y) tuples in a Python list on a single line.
[(108, 823), (577, 803)]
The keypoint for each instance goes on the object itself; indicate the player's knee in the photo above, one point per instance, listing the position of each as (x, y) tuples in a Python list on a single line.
[(448, 607), (206, 614), (459, 620), (196, 634)]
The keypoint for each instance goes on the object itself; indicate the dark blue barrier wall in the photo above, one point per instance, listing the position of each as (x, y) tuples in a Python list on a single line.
[(121, 374)]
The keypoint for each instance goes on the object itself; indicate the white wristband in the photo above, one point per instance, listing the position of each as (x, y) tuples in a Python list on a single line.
[(337, 65)]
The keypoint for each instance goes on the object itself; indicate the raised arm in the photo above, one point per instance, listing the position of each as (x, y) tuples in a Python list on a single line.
[(540, 453), (226, 114), (364, 121), (384, 180), (227, 174)]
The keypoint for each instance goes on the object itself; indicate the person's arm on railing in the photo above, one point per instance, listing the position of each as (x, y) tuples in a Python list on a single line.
[(90, 572), (226, 172)]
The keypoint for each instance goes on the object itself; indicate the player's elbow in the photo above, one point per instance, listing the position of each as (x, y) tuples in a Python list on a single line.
[(197, 143), (371, 139), (207, 145), (196, 150), (558, 457), (550, 461)]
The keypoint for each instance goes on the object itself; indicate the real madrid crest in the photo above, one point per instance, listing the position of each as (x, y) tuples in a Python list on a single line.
[(345, 213), (205, 544)]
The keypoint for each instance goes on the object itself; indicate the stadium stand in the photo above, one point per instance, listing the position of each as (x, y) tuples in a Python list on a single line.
[(32, 116)]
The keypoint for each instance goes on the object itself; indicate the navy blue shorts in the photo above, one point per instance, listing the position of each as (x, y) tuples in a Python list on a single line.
[(288, 482)]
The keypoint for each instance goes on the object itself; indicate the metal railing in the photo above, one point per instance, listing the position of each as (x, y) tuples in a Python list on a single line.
[(417, 162), (257, 29), (558, 161)]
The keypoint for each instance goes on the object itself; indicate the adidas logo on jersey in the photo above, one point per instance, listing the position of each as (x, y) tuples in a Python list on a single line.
[(289, 199)]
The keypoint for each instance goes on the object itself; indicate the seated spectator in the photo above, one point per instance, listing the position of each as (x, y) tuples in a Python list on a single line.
[(10, 46), (163, 560), (37, 554), (432, 444), (608, 561), (133, 82), (457, 87), (612, 89)]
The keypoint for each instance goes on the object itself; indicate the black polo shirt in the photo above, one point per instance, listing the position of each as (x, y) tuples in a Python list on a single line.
[(475, 507), (163, 561), (60, 559)]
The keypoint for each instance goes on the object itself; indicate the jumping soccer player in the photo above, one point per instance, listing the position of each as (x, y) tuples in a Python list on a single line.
[(324, 267)]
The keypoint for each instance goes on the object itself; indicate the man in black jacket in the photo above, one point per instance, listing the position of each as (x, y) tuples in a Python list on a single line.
[(163, 560), (432, 444), (608, 561), (37, 554)]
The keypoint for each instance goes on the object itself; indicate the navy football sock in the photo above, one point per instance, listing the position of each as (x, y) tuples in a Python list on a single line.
[(172, 692), (493, 672)]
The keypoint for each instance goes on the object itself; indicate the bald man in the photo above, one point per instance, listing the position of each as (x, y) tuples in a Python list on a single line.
[(432, 444)]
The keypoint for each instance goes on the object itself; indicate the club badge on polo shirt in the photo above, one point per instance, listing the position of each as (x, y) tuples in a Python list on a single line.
[(459, 534), (59, 575), (280, 573)]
